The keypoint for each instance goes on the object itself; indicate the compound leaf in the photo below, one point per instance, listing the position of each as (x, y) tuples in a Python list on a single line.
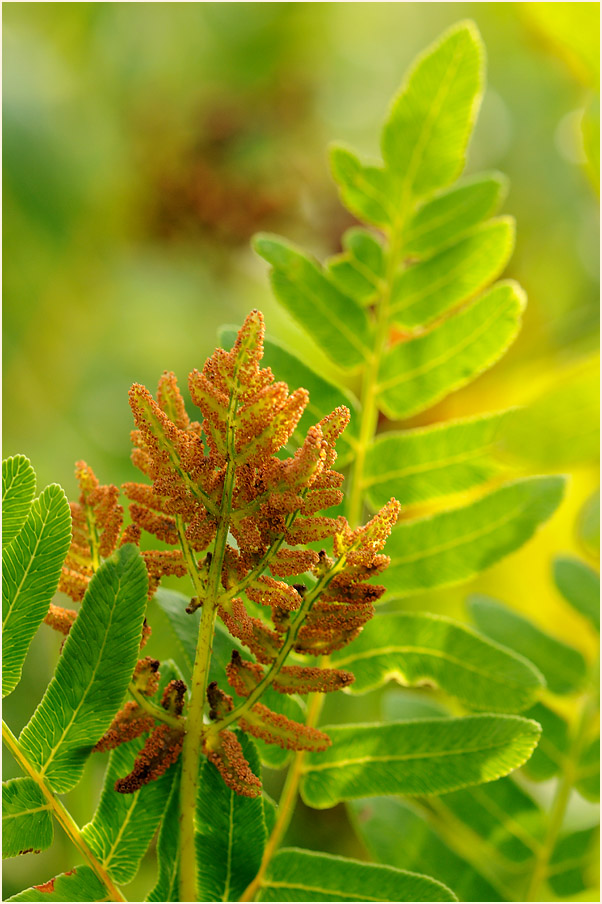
[(425, 137), (231, 833), (451, 213), (31, 567), (427, 290), (92, 674), (562, 666), (452, 546), (416, 374), (79, 884), (428, 756), (428, 462), (296, 875), (18, 490), (580, 586), (416, 649), (338, 325), (26, 818)]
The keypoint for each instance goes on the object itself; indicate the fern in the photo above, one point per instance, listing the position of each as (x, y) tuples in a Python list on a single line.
[(247, 507)]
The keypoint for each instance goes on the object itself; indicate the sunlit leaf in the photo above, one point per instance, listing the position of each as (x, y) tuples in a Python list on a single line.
[(562, 666), (26, 818), (296, 875), (430, 756), (334, 321), (31, 567), (416, 649), (365, 189), (427, 290), (451, 213), (425, 137), (419, 372), (92, 674), (452, 546), (429, 462)]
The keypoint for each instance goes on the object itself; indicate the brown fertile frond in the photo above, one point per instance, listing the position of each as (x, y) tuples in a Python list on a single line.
[(146, 676), (162, 748), (275, 728), (129, 723), (227, 755), (60, 619)]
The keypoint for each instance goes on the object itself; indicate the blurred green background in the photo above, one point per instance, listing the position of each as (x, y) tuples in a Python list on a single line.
[(144, 143)]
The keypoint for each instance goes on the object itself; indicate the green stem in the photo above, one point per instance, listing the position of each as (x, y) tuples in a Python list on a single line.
[(193, 739), (369, 396), (157, 712), (61, 814)]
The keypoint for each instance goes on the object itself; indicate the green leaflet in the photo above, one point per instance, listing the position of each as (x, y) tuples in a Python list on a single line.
[(31, 567), (381, 822), (185, 626), (296, 875), (588, 775), (231, 833), (338, 325), (574, 863), (451, 213), (417, 373), (553, 745), (452, 546), (400, 705), (425, 137), (427, 290), (360, 270), (18, 490), (416, 649), (92, 674), (562, 666), (580, 586), (428, 462), (79, 884), (365, 189), (26, 818), (166, 888), (501, 817), (428, 756), (124, 824), (324, 396)]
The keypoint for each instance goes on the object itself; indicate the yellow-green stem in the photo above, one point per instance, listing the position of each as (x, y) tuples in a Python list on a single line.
[(62, 815), (288, 799)]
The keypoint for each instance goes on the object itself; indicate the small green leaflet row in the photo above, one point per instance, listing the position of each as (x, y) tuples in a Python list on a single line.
[(79, 884), (36, 538), (92, 674)]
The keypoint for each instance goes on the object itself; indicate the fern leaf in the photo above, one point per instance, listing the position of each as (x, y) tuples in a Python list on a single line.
[(26, 818)]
